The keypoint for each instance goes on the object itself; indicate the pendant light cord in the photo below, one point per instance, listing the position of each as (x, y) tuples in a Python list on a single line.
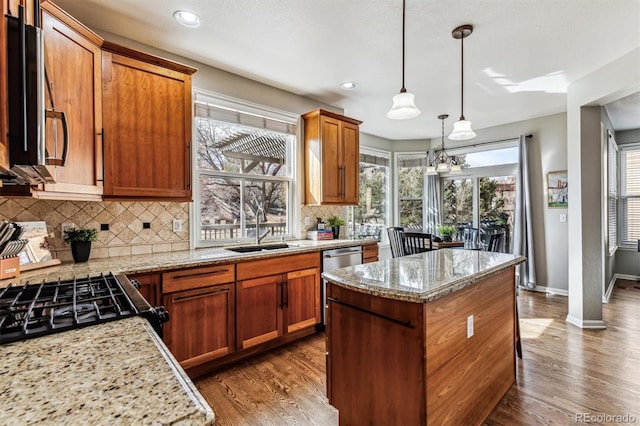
[(403, 90), (461, 77)]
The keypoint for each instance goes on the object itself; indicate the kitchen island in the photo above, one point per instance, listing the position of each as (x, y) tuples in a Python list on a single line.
[(422, 339)]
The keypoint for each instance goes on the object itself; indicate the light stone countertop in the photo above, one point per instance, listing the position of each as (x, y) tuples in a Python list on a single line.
[(115, 373), (158, 262), (423, 277)]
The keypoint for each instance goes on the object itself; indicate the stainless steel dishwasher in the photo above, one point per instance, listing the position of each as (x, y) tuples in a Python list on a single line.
[(335, 259)]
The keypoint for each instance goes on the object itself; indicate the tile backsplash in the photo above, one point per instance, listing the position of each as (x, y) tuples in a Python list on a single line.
[(126, 234)]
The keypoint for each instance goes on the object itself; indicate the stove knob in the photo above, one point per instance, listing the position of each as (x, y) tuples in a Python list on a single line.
[(162, 314), (136, 284)]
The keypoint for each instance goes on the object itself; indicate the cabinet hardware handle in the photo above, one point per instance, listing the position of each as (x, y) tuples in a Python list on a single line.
[(102, 134), (285, 292), (23, 74), (375, 314), (344, 181), (281, 284), (197, 296), (218, 272), (59, 115)]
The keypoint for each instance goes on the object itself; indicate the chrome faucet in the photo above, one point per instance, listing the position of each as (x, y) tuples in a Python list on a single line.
[(259, 213)]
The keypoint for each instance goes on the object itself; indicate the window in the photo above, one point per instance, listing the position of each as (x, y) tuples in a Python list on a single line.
[(612, 193), (370, 217), (243, 168), (630, 194), (410, 189), (485, 197)]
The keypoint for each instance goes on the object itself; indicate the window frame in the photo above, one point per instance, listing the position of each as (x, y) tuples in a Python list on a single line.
[(226, 102), (623, 242), (612, 195), (397, 156), (349, 211)]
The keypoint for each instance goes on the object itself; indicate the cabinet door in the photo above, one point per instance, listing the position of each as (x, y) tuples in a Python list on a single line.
[(149, 287), (147, 120), (331, 160), (201, 324), (259, 310), (350, 163), (73, 65), (302, 299)]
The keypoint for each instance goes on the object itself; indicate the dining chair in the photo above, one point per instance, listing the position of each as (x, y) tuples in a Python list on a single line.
[(470, 235), (417, 242), (495, 241), (396, 240)]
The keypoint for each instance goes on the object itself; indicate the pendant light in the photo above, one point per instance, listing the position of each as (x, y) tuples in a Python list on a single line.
[(462, 128), (404, 106)]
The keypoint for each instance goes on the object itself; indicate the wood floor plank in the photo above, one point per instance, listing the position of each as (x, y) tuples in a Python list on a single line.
[(565, 370)]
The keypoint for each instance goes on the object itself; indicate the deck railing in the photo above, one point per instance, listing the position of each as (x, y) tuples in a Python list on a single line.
[(229, 231)]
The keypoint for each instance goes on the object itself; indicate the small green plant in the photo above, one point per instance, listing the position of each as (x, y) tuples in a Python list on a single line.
[(73, 235), (447, 230), (335, 221)]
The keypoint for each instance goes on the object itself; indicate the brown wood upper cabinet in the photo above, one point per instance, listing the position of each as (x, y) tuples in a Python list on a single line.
[(147, 126), (332, 168)]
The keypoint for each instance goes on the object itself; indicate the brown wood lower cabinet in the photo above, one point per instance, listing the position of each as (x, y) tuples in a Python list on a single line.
[(201, 325), (149, 287), (370, 253), (259, 312), (269, 307)]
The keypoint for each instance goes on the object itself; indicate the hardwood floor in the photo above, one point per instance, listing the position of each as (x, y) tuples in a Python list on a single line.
[(565, 371)]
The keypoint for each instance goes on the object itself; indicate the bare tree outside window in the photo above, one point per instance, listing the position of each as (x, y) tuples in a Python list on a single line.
[(240, 169)]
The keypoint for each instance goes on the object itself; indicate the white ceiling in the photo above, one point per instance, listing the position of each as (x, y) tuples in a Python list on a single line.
[(518, 61)]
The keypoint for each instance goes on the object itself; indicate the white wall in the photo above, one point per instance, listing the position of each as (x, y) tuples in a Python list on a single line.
[(613, 81)]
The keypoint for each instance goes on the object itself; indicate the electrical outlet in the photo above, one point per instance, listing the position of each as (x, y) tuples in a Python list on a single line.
[(67, 225), (563, 217), (469, 326), (307, 221), (177, 225)]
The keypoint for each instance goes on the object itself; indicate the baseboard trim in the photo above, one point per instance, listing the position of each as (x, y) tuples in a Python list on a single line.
[(590, 324), (627, 277), (607, 294), (548, 290)]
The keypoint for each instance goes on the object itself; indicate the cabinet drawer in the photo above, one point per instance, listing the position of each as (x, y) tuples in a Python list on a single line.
[(278, 265), (186, 279)]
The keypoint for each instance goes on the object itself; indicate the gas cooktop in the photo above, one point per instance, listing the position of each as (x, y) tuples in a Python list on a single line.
[(34, 310)]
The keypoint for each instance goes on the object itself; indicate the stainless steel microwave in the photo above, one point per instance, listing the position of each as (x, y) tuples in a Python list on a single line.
[(28, 155)]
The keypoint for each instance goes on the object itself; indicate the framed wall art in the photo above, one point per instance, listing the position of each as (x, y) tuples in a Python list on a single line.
[(557, 189)]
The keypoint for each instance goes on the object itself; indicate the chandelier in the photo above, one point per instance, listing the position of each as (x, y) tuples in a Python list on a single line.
[(443, 162)]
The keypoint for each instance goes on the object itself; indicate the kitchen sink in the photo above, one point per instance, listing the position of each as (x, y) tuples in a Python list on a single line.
[(249, 249)]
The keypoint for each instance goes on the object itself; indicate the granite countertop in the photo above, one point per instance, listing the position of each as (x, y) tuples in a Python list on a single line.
[(115, 373), (423, 277), (158, 262)]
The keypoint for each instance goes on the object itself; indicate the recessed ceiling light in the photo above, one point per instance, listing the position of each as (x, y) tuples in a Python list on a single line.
[(186, 18), (348, 85)]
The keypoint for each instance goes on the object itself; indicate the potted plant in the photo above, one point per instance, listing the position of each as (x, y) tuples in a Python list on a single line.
[(80, 240), (447, 231), (335, 222)]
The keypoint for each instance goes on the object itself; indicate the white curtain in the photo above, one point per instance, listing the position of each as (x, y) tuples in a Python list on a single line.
[(522, 223), (432, 215)]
